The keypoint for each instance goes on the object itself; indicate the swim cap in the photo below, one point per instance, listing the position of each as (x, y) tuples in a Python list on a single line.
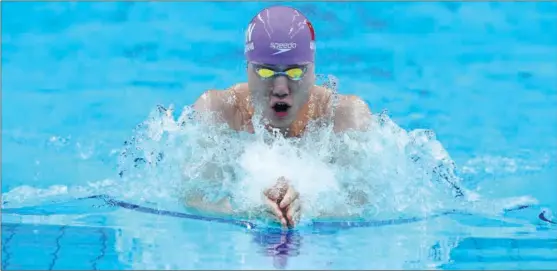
[(280, 35)]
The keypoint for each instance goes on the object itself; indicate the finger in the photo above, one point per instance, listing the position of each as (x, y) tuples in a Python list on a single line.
[(276, 192), (293, 208), (281, 190), (290, 196), (271, 194), (295, 218), (276, 211)]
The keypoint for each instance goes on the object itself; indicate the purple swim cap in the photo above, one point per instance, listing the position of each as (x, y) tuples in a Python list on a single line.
[(280, 35)]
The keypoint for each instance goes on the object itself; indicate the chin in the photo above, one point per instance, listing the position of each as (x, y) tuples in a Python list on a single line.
[(281, 123)]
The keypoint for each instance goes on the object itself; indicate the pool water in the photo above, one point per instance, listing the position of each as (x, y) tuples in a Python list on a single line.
[(77, 79)]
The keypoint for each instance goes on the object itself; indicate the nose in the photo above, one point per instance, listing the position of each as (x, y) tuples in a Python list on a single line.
[(280, 87), (280, 95)]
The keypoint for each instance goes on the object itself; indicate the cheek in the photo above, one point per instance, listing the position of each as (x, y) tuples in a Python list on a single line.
[(305, 84), (252, 79), (257, 86), (300, 98), (259, 96), (301, 89)]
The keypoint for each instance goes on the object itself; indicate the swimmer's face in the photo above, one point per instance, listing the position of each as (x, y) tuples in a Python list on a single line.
[(280, 91)]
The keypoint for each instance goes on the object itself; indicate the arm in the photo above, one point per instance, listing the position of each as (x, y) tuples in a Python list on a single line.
[(212, 106), (224, 208), (354, 201), (352, 113), (215, 106)]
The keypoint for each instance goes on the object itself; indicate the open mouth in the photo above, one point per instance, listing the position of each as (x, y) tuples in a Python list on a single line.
[(281, 109)]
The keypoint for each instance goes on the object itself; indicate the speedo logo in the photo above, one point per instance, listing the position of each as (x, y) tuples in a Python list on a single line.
[(282, 47)]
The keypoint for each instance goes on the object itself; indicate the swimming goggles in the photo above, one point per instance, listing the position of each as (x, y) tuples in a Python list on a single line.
[(293, 73)]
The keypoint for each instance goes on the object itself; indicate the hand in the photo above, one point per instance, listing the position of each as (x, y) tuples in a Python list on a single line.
[(291, 207), (283, 201), (273, 196)]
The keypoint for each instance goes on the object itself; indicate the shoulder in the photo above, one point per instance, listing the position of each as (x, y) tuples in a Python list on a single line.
[(351, 112), (222, 102), (215, 99), (321, 98), (352, 102)]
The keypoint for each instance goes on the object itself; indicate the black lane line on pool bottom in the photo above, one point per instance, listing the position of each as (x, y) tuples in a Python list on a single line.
[(316, 224), (544, 218)]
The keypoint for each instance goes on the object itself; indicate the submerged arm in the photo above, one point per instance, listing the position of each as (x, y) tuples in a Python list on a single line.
[(212, 106), (207, 190), (222, 207), (353, 202), (352, 113)]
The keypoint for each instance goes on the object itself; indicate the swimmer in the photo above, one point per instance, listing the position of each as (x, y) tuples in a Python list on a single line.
[(281, 88)]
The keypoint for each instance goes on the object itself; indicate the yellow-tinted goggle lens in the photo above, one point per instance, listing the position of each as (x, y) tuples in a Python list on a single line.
[(265, 73), (295, 73)]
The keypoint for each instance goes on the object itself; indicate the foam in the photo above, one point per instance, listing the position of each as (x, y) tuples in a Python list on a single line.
[(392, 170), (399, 171)]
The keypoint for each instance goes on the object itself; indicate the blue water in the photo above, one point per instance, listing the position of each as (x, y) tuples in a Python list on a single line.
[(78, 77)]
